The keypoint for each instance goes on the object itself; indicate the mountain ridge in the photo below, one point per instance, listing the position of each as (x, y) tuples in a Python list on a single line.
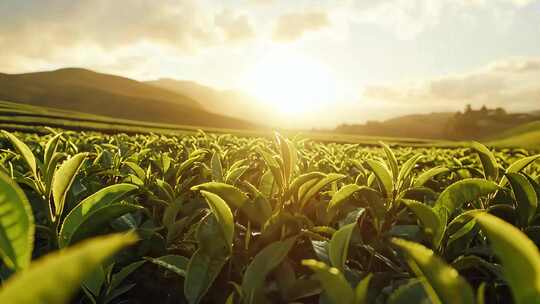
[(110, 95)]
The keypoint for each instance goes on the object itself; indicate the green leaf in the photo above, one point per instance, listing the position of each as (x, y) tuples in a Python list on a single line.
[(481, 294), (489, 163), (187, 163), (442, 283), (464, 263), (412, 292), (288, 155), (16, 225), (93, 282), (525, 196), (25, 152), (334, 284), (274, 167), (121, 275), (392, 161), (461, 225), (461, 192), (103, 197), (431, 221), (62, 180), (49, 171), (259, 210), (264, 262), (429, 174), (519, 257), (217, 169), (210, 237), (234, 174), (519, 165), (406, 170), (223, 215), (202, 271), (230, 194), (330, 178), (96, 220), (50, 148), (343, 194), (383, 176), (300, 181), (236, 198), (338, 247), (139, 172), (175, 263), (66, 267), (361, 290)]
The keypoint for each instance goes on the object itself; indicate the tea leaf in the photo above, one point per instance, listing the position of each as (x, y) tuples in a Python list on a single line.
[(339, 246), (461, 192), (264, 262), (16, 225), (67, 267), (519, 257), (334, 284), (442, 283), (103, 197), (489, 163), (525, 196), (223, 215), (62, 180)]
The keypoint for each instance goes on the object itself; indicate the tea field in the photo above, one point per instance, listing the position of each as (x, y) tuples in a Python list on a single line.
[(89, 217)]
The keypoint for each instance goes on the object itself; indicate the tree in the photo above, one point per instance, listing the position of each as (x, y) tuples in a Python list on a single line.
[(484, 110), (500, 111)]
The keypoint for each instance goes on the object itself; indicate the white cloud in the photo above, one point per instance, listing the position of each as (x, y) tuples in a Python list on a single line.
[(511, 83), (292, 26), (40, 31)]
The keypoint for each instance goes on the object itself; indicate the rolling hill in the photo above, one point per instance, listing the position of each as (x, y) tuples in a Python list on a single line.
[(526, 135), (109, 95), (414, 125), (475, 125), (233, 103)]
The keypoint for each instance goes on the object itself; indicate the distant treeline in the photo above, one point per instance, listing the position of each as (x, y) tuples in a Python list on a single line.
[(462, 125)]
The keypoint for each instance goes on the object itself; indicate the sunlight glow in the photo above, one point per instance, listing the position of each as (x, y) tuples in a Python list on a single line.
[(291, 82)]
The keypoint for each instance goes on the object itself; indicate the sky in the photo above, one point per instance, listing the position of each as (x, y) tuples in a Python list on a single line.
[(339, 60)]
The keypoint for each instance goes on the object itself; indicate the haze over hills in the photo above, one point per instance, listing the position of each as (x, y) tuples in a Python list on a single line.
[(189, 103), (463, 125), (229, 102), (413, 125), (110, 95)]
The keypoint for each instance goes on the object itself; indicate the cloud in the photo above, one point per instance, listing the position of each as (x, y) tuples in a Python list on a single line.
[(510, 83), (407, 19), (516, 66), (293, 26), (33, 32), (235, 27)]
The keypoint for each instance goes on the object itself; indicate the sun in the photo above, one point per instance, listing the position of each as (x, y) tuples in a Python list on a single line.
[(290, 82)]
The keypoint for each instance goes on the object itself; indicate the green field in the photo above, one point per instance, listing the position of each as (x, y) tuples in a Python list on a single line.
[(252, 217), (527, 136), (17, 116)]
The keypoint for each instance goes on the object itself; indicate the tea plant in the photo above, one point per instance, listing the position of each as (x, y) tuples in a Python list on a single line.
[(226, 219)]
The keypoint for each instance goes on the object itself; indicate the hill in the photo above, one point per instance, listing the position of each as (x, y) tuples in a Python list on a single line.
[(234, 103), (432, 125), (109, 95), (526, 135), (468, 125)]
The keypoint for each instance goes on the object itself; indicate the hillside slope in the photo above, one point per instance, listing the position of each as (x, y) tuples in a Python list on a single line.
[(527, 136), (432, 125), (233, 103), (109, 95)]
